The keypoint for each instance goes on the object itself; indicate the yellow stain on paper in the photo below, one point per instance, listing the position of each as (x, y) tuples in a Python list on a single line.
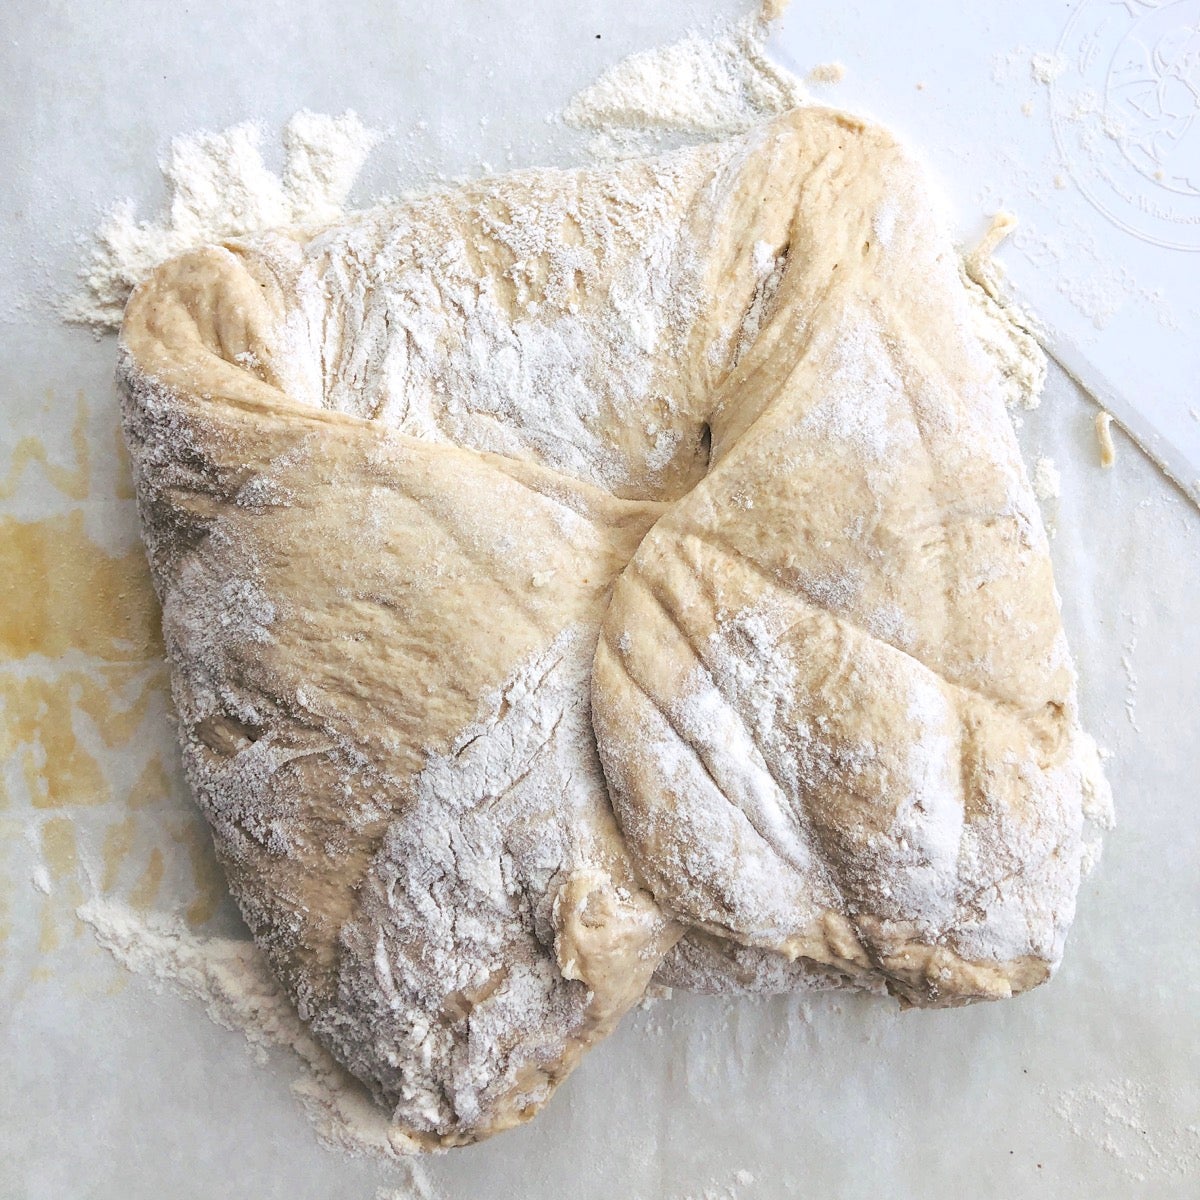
[(81, 661), (146, 888), (152, 786), (206, 873), (60, 853), (118, 841), (75, 481), (61, 592)]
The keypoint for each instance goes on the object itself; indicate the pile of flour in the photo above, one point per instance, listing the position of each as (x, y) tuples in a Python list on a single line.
[(710, 86), (219, 187)]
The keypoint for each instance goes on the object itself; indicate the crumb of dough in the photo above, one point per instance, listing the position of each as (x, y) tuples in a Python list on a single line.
[(772, 10), (1017, 350), (1108, 451), (830, 72), (1003, 223)]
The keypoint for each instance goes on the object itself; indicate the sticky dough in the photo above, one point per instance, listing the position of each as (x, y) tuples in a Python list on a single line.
[(580, 575)]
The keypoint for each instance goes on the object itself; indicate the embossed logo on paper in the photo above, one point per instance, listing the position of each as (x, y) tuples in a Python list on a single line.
[(1126, 108)]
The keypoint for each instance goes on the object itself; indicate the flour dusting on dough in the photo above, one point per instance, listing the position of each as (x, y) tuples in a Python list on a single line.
[(461, 899), (530, 382)]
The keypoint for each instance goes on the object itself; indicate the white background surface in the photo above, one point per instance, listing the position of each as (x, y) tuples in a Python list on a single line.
[(1058, 112), (109, 1090)]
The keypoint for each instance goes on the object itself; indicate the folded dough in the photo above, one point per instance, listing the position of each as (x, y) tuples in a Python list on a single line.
[(727, 407)]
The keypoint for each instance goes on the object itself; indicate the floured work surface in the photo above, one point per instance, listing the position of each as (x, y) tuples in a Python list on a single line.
[(738, 413), (1088, 1084)]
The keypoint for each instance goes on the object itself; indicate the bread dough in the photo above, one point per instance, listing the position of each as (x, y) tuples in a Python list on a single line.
[(396, 475), (833, 699)]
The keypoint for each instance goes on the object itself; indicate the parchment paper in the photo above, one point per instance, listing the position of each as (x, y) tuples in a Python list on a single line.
[(1089, 1087)]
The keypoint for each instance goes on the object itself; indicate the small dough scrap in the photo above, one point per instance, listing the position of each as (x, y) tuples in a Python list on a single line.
[(1108, 450)]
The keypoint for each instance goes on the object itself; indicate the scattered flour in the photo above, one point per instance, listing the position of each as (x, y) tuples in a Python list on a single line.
[(698, 85), (1125, 1119), (233, 981), (1079, 263), (415, 1184), (1046, 68), (1023, 63), (1083, 274), (1131, 688), (219, 187), (728, 1189), (1098, 811)]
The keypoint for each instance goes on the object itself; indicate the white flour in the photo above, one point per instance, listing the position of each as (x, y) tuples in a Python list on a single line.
[(1046, 68), (233, 981), (1123, 1118), (1078, 262), (219, 187), (706, 86), (415, 1186), (1131, 686), (1047, 480), (1023, 64)]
